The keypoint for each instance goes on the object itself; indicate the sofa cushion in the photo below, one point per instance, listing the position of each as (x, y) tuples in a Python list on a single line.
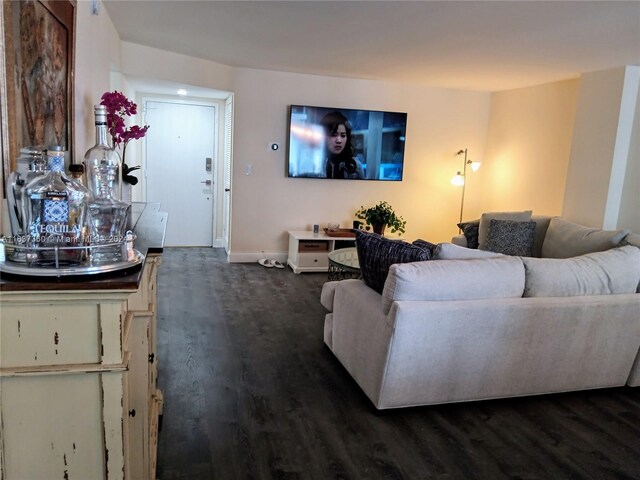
[(566, 239), (510, 238), (631, 239), (485, 218), (449, 251), (376, 254), (499, 277), (614, 271), (470, 231), (542, 224)]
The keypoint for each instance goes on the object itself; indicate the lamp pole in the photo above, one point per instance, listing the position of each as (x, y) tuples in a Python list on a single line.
[(464, 181)]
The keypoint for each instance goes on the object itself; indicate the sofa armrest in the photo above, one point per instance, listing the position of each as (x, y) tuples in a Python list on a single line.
[(459, 240), (361, 333)]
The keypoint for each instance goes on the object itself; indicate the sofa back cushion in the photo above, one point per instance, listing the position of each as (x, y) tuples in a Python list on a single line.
[(499, 277), (486, 218), (542, 224), (614, 271), (376, 254), (566, 239), (450, 251)]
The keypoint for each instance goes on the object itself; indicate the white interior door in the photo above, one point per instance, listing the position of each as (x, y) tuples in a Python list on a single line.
[(180, 148)]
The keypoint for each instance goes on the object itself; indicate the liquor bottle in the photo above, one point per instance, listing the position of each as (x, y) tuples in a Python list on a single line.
[(54, 210), (31, 163), (102, 163), (107, 214)]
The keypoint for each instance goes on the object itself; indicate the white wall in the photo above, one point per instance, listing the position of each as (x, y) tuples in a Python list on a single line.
[(527, 153)]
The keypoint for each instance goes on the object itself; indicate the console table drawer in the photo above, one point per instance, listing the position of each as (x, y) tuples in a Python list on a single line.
[(315, 259), (49, 334)]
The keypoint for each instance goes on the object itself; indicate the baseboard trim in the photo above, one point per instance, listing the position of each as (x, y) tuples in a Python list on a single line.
[(253, 257)]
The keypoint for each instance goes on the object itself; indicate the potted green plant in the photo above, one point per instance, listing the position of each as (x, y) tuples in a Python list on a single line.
[(381, 216)]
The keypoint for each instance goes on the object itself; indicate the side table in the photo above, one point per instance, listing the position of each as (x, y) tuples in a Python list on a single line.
[(343, 264)]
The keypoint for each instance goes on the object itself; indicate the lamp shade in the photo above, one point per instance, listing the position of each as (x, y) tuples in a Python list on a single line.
[(458, 180)]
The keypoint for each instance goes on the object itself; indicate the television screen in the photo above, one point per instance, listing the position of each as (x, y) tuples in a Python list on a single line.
[(345, 143)]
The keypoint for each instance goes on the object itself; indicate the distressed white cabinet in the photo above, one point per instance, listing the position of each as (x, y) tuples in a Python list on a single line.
[(78, 374)]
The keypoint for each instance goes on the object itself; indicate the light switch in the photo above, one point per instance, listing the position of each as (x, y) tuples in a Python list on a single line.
[(248, 169)]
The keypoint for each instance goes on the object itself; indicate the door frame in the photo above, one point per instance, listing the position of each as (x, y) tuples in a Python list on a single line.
[(218, 133)]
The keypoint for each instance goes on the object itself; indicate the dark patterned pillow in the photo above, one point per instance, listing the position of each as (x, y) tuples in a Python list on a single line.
[(376, 254), (428, 246), (510, 237), (470, 231)]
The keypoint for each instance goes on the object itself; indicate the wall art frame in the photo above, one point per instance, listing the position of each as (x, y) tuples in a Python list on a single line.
[(37, 69)]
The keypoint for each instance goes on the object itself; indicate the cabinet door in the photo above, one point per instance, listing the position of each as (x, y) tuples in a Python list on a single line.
[(138, 396)]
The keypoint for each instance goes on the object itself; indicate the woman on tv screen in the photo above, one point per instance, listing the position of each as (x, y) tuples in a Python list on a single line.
[(339, 159)]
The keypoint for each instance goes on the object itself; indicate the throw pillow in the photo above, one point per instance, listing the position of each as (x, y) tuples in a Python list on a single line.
[(614, 271), (510, 238), (449, 251), (376, 254), (470, 231), (430, 247), (523, 216), (566, 239)]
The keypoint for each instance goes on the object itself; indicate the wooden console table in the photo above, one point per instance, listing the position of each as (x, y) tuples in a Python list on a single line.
[(78, 368)]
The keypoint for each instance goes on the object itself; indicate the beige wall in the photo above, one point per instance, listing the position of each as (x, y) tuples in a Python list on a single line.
[(267, 203), (527, 152), (97, 54), (146, 62), (630, 205), (602, 149)]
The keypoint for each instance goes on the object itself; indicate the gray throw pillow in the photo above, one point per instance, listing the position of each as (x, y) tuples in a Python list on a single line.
[(510, 238), (376, 254)]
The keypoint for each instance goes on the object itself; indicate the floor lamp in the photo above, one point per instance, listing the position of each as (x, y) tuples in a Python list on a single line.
[(460, 180)]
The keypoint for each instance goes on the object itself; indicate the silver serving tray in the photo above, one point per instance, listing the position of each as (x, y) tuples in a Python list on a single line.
[(16, 268)]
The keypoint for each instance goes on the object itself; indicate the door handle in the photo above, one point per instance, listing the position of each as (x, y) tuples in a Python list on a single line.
[(227, 189), (207, 182)]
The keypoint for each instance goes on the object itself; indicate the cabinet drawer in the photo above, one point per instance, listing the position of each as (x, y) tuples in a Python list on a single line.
[(49, 334), (318, 259), (312, 246)]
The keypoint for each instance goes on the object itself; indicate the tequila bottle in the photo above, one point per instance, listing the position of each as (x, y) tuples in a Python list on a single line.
[(55, 209), (102, 163)]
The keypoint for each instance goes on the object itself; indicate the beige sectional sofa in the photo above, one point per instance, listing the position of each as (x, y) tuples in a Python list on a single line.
[(462, 329)]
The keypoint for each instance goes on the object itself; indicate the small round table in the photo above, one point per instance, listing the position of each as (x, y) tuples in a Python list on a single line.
[(343, 264)]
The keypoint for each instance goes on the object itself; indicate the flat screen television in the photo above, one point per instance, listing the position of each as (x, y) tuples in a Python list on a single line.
[(345, 143)]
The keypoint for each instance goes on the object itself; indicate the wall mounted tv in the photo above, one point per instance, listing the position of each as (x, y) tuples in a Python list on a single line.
[(345, 143)]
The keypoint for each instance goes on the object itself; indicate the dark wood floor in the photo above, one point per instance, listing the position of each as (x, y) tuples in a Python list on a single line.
[(251, 392)]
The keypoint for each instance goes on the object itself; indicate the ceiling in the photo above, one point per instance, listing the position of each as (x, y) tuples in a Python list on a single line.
[(479, 45)]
